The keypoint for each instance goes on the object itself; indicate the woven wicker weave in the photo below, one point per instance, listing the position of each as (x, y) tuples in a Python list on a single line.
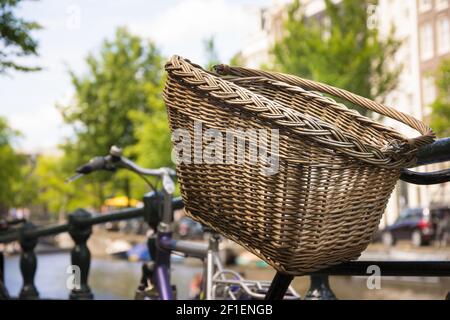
[(337, 168)]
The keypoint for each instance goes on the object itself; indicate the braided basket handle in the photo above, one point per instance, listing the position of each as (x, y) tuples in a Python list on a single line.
[(427, 135), (398, 154)]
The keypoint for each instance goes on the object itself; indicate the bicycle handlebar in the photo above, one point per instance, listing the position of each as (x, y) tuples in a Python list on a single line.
[(439, 151), (95, 164), (115, 160)]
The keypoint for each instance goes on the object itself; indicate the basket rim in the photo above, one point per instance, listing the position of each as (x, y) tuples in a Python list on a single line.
[(398, 153)]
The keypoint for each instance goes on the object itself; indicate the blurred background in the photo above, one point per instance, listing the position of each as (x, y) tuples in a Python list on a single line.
[(79, 76)]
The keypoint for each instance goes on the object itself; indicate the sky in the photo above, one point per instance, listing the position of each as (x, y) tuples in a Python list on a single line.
[(72, 29)]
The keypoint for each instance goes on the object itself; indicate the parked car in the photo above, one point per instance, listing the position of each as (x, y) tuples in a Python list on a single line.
[(416, 224), (443, 227)]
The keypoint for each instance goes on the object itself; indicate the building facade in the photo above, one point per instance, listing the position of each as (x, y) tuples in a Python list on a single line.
[(433, 33), (424, 28)]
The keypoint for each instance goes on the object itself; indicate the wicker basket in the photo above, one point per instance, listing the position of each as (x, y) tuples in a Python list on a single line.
[(336, 168)]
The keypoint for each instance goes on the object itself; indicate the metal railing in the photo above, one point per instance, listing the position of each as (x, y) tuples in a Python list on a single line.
[(79, 227)]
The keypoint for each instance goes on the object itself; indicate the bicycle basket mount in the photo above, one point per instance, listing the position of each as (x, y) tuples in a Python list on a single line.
[(318, 195)]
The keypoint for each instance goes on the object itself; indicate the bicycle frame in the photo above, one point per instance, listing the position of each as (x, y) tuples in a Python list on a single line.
[(161, 245), (215, 276)]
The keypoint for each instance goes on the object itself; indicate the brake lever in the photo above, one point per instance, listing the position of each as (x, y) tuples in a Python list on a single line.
[(74, 177)]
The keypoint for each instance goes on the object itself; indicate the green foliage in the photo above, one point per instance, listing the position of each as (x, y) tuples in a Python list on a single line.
[(25, 187), (212, 57), (39, 182), (117, 81), (153, 145), (345, 52), (9, 165), (440, 115), (55, 195), (41, 187), (118, 101), (123, 80), (15, 38), (237, 60), (153, 148)]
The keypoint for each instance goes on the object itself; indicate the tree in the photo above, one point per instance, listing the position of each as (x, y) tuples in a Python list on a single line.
[(340, 49), (237, 60), (153, 143), (54, 196), (120, 79), (212, 57), (9, 166), (153, 146), (15, 38), (440, 115)]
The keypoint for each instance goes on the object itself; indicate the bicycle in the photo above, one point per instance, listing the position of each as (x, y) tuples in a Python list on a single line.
[(218, 282)]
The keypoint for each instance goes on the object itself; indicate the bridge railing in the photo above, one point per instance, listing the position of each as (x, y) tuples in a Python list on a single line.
[(79, 227)]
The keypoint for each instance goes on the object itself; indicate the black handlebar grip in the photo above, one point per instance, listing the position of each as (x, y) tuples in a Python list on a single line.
[(425, 178), (95, 164), (437, 152)]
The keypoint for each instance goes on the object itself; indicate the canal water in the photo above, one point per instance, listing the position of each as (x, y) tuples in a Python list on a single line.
[(108, 278), (118, 279)]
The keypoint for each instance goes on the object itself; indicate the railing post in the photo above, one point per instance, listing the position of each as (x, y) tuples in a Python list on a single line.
[(28, 264), (2, 267), (3, 291), (80, 255), (320, 289)]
